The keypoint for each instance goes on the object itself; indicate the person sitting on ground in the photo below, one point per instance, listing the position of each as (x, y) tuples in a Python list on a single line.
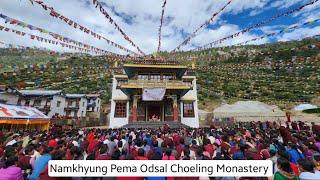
[(25, 159), (11, 171), (57, 155), (307, 169), (141, 155), (294, 153), (41, 162), (284, 170), (103, 153), (168, 155), (154, 118)]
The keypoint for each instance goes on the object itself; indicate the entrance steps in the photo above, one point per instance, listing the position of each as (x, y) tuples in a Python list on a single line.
[(154, 125)]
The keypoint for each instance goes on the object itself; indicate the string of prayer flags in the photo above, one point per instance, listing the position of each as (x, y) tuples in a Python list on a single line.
[(76, 25), (49, 41), (285, 30), (161, 23), (54, 35), (204, 25), (99, 6), (287, 13)]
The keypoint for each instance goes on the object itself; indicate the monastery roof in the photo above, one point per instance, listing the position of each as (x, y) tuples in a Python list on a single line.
[(92, 95), (39, 92), (150, 65), (142, 65), (75, 95)]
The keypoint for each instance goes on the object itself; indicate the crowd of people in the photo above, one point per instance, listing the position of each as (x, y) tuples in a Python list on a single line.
[(292, 147)]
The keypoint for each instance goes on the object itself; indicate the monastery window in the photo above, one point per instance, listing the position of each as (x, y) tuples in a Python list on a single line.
[(121, 109), (27, 103), (37, 102), (155, 77), (143, 77), (188, 110), (58, 103), (167, 77), (48, 102), (19, 102), (187, 82), (68, 113), (121, 82)]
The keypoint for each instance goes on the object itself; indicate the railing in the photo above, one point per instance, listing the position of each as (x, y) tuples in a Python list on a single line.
[(46, 107), (71, 107), (152, 84), (156, 62)]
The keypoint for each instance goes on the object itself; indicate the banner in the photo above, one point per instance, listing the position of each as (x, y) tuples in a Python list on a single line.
[(165, 168), (153, 94)]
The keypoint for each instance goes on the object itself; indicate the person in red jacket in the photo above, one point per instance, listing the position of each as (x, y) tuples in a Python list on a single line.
[(53, 143), (92, 145), (91, 135), (24, 159), (180, 147), (208, 147), (225, 144)]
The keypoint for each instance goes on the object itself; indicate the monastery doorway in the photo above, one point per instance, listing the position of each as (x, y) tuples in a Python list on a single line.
[(155, 112)]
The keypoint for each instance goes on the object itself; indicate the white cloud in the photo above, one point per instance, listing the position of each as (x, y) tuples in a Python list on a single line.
[(283, 4), (299, 34), (208, 35)]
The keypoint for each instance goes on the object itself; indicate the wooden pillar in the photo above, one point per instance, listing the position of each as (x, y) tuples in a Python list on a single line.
[(135, 109), (175, 109)]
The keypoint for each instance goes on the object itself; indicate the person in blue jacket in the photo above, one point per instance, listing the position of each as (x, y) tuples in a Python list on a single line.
[(294, 153), (41, 162)]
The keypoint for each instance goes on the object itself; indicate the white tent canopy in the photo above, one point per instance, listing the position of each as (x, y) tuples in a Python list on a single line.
[(20, 112), (302, 107), (249, 110), (203, 115)]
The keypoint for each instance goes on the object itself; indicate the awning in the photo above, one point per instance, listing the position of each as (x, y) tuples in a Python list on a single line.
[(20, 112)]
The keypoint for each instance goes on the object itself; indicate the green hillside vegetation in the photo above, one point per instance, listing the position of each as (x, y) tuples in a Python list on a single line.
[(284, 73), (21, 57), (74, 75)]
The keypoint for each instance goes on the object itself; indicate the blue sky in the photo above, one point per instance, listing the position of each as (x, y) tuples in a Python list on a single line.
[(141, 19), (245, 19)]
